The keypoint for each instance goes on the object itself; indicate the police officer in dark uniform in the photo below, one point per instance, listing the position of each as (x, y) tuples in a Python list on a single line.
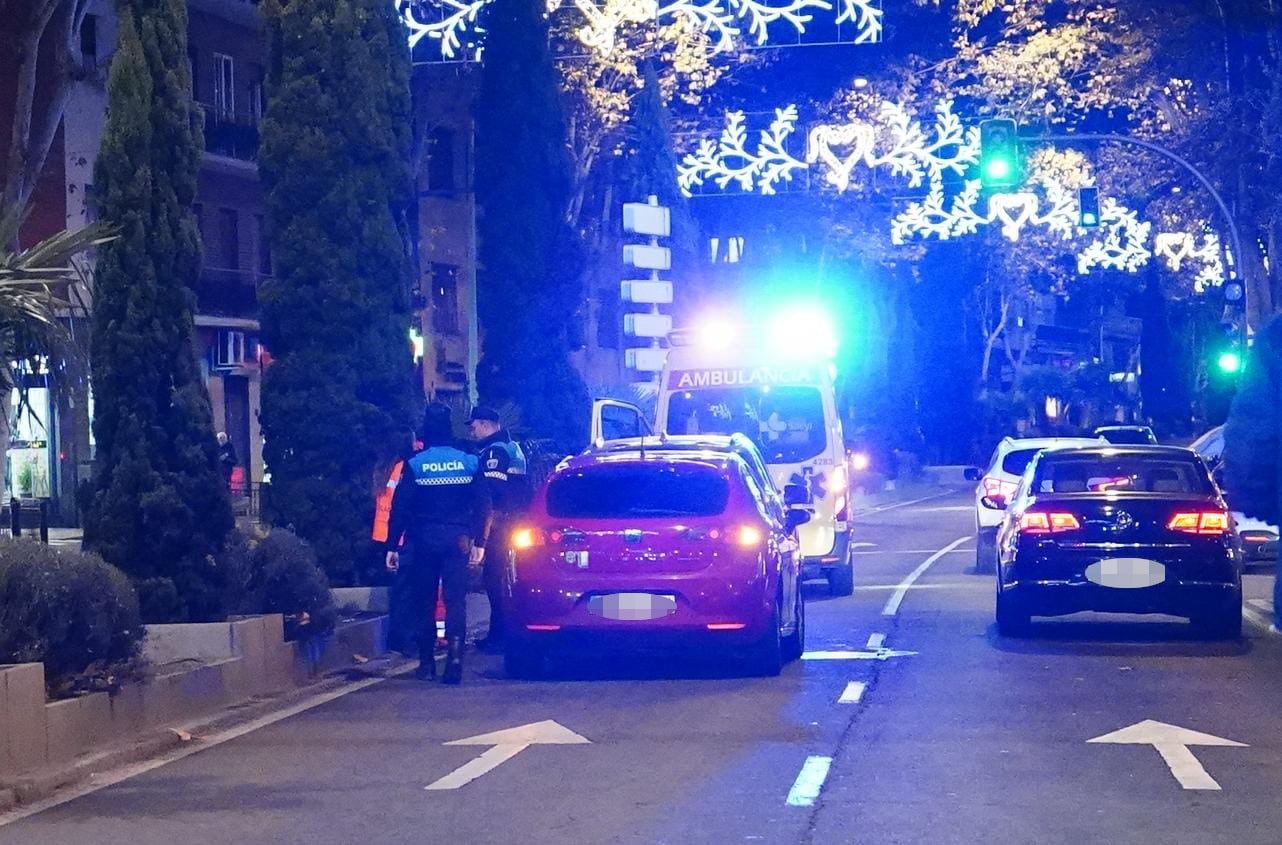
[(442, 505), (507, 475)]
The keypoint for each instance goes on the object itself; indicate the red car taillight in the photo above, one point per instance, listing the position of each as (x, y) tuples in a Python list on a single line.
[(996, 488), (1038, 522), (1200, 522), (526, 538)]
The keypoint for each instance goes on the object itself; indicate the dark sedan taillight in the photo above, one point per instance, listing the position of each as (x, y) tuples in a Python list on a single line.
[(1042, 522), (1208, 523)]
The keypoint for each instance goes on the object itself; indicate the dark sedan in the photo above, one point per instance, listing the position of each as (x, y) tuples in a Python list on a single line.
[(1139, 529)]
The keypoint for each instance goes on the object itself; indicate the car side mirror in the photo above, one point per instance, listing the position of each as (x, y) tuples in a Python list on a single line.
[(795, 518), (993, 503), (795, 494), (972, 473)]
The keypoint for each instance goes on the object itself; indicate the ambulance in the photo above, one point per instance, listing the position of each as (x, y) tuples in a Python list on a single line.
[(774, 384)]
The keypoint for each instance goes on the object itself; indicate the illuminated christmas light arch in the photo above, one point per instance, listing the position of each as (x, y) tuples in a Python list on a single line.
[(934, 158), (452, 25)]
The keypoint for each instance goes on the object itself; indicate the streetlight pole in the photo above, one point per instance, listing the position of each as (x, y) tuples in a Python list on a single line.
[(1235, 240)]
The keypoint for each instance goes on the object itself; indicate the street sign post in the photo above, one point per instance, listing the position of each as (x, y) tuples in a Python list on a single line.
[(653, 221)]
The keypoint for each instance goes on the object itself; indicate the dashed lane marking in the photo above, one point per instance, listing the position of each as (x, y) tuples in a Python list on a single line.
[(810, 781), (853, 693)]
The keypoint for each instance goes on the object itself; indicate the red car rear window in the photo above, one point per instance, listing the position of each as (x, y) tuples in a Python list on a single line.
[(637, 491)]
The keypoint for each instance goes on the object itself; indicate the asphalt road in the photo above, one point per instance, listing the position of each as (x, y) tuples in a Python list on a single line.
[(969, 739)]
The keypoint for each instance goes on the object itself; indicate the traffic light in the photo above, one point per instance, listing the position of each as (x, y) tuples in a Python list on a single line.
[(1234, 292), (1230, 362), (998, 153), (1088, 216)]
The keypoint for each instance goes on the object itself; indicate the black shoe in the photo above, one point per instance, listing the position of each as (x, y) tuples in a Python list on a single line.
[(453, 662)]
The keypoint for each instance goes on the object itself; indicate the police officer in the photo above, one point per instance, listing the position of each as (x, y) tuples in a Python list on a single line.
[(506, 474), (443, 505)]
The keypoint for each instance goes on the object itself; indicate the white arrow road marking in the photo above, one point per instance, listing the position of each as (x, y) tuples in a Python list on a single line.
[(853, 693), (1172, 742), (507, 744), (879, 654), (897, 598), (805, 789)]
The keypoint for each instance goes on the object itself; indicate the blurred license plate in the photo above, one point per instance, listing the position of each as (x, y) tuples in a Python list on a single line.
[(1126, 573), (632, 606)]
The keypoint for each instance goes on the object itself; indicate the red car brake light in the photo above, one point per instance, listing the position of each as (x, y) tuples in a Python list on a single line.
[(1040, 522), (526, 538), (1200, 522), (996, 488)]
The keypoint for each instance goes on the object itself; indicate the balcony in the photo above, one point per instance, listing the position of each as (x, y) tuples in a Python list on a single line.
[(228, 293), (232, 136)]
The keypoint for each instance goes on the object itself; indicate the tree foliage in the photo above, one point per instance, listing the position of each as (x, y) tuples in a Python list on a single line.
[(157, 507), (531, 260), (334, 159)]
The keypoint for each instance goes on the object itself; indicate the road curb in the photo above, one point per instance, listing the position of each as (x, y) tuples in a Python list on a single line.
[(42, 784)]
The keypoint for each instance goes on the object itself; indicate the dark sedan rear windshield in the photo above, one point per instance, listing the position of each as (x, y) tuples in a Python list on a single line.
[(1123, 474), (638, 492)]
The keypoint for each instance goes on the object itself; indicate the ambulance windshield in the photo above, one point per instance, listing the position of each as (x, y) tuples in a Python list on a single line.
[(786, 422)]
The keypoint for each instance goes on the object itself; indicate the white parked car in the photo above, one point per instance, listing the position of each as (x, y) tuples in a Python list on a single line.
[(997, 483), (1259, 538)]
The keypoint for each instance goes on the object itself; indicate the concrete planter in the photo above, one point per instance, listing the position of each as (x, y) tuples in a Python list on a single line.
[(244, 659)]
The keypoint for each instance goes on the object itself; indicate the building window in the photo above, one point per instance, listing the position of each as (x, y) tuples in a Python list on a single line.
[(608, 318), (256, 104), (195, 65), (445, 298), (726, 250), (440, 160), (224, 86), (264, 248), (89, 40), (228, 239)]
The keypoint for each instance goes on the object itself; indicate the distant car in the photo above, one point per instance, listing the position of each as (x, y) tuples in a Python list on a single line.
[(1127, 435), (1122, 530), (1259, 538), (997, 484), (664, 545)]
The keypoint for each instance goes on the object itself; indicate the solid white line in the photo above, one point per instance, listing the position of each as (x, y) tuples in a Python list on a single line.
[(805, 789), (893, 603), (875, 641), (884, 552), (895, 506), (853, 693), (199, 744)]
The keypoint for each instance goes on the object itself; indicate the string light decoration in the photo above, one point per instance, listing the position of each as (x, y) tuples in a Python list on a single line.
[(451, 26), (936, 159)]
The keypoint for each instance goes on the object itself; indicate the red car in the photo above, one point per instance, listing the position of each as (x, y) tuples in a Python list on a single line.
[(661, 544)]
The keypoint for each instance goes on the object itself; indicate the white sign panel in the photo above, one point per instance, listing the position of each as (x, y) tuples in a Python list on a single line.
[(642, 219), (647, 325), (645, 360), (645, 257), (646, 292)]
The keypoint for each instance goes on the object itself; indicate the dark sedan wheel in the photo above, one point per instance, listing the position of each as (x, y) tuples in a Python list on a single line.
[(1013, 618), (1222, 623)]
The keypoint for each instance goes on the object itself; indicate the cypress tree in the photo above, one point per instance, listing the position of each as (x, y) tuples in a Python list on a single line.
[(530, 285), (334, 161), (156, 506)]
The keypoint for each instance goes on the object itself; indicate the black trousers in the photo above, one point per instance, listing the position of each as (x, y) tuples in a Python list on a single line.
[(431, 565), (495, 560)]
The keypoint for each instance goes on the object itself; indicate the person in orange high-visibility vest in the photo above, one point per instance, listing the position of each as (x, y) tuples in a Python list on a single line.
[(402, 622)]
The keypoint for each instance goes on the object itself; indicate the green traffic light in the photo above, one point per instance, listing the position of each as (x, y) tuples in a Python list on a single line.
[(1230, 363), (997, 168)]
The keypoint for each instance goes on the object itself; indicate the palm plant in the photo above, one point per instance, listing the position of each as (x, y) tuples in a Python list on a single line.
[(41, 291)]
